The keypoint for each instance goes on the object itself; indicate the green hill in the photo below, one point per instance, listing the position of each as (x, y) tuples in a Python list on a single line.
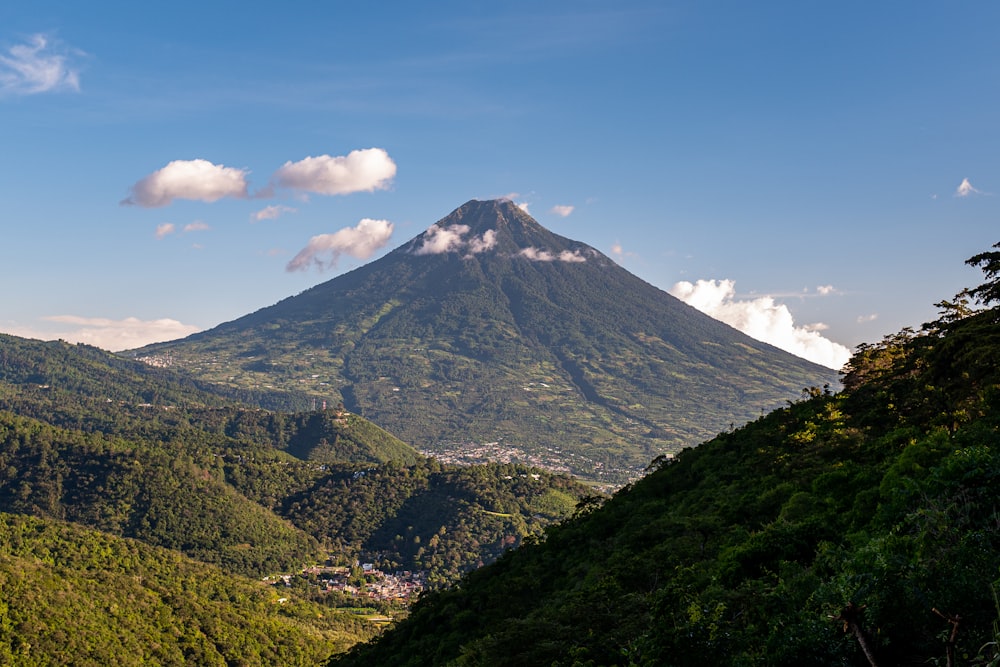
[(73, 596), (76, 373), (255, 491), (490, 328), (858, 528), (161, 494)]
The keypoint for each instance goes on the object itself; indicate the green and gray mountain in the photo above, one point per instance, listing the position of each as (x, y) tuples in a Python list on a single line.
[(488, 328)]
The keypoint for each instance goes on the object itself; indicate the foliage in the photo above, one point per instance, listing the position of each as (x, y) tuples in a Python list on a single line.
[(82, 597), (255, 491), (864, 520)]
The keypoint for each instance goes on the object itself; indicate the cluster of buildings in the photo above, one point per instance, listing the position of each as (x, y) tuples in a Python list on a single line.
[(403, 587)]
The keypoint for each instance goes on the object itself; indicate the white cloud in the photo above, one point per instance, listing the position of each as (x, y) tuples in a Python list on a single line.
[(37, 67), (199, 180), (272, 212), (618, 251), (359, 171), (862, 319), (360, 242), (196, 226), (523, 205), (113, 335), (761, 318), (562, 211), (483, 243), (438, 239), (826, 290), (537, 255), (965, 189), (165, 229)]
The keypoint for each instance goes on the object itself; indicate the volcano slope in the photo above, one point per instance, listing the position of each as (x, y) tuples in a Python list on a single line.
[(489, 328)]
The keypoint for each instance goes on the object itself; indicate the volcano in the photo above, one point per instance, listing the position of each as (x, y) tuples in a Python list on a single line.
[(488, 332)]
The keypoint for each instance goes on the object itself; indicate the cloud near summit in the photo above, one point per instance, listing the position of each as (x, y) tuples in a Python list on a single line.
[(538, 255), (438, 239), (763, 319), (361, 242)]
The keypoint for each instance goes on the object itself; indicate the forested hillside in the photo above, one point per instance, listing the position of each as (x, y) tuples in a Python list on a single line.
[(857, 528), (74, 596), (212, 496)]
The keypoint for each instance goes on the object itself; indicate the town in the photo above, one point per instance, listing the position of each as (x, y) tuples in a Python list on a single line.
[(362, 581)]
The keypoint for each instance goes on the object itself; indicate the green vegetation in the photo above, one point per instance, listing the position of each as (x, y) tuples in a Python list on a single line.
[(444, 349), (857, 528), (82, 597), (138, 505), (442, 519)]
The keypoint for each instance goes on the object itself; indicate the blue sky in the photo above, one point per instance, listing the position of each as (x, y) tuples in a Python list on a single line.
[(816, 171)]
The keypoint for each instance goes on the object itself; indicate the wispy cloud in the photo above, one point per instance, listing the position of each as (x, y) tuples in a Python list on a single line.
[(538, 255), (113, 335), (562, 211), (618, 251), (965, 189), (763, 319), (437, 240), (165, 229), (196, 226), (359, 171), (862, 319), (272, 212), (199, 180), (361, 242), (39, 66)]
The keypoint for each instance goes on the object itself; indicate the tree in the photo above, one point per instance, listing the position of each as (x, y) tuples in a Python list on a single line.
[(989, 262)]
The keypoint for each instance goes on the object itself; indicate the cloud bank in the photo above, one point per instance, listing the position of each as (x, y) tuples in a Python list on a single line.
[(37, 67), (438, 240), (112, 335), (360, 242), (199, 180), (762, 319), (359, 171)]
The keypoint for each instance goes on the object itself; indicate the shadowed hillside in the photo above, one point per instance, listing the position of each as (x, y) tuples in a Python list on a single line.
[(851, 529)]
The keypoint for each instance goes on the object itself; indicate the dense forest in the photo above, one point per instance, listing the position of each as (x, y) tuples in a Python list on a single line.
[(135, 500), (76, 596), (852, 528)]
